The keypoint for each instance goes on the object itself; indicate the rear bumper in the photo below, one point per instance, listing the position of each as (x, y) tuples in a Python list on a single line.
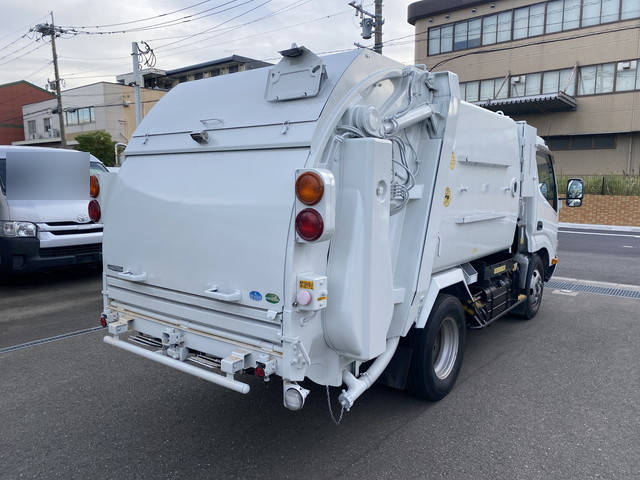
[(23, 255)]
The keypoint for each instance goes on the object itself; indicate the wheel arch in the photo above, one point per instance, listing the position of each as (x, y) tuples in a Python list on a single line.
[(450, 281)]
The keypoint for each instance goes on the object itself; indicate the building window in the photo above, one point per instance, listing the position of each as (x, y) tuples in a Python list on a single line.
[(446, 39), (504, 26), (31, 129), (460, 36), (627, 76), (233, 68), (434, 41), (630, 9), (198, 76), (215, 72), (554, 16), (78, 116), (538, 19), (182, 79), (582, 142), (47, 124), (472, 91), (489, 29)]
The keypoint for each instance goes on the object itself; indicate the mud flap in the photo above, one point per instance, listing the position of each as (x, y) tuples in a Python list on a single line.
[(397, 372)]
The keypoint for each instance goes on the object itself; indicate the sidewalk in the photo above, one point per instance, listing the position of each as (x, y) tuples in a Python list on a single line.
[(587, 226)]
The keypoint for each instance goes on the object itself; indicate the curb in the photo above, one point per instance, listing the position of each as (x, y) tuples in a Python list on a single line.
[(588, 226)]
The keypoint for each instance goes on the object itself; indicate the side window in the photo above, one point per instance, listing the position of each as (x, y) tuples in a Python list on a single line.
[(547, 179)]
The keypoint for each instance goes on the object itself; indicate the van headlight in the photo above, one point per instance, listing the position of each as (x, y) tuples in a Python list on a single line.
[(17, 229)]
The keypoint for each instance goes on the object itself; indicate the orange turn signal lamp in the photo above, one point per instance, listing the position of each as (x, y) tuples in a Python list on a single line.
[(94, 186), (309, 188)]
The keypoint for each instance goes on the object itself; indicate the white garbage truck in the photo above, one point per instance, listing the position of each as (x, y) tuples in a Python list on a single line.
[(341, 220)]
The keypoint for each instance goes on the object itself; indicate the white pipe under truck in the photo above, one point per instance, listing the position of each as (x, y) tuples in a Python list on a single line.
[(341, 220)]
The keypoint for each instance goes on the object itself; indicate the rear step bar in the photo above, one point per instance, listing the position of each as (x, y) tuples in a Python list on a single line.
[(223, 381)]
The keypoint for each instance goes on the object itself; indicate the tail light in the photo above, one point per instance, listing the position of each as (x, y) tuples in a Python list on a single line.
[(94, 210), (309, 224), (314, 187), (94, 186), (309, 188)]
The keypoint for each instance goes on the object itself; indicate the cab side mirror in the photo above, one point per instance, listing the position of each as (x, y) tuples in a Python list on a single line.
[(575, 192)]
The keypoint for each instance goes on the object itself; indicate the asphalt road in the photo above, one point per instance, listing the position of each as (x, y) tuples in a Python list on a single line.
[(605, 256), (554, 398), (557, 397)]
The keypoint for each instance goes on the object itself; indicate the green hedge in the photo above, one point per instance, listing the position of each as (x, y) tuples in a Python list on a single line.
[(604, 184)]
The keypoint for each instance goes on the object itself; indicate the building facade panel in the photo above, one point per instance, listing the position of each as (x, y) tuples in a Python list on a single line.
[(565, 66)]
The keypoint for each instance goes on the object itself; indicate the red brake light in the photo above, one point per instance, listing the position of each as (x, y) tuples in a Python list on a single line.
[(94, 210), (309, 224)]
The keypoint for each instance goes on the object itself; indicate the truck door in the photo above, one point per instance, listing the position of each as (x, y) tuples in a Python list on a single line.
[(546, 232)]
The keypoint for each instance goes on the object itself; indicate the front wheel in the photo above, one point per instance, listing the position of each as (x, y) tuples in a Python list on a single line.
[(438, 349)]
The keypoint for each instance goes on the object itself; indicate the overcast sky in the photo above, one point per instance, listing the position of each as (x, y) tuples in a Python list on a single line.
[(323, 25)]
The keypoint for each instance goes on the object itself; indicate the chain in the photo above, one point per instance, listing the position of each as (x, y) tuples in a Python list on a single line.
[(337, 422)]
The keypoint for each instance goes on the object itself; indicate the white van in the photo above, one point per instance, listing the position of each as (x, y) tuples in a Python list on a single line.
[(44, 217)]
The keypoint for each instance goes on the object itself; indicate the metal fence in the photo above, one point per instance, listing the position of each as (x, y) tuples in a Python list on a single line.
[(604, 184)]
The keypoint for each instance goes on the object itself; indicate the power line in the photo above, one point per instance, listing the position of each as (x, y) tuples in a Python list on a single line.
[(295, 4), (167, 24), (143, 19), (18, 50), (215, 26), (26, 53), (259, 34)]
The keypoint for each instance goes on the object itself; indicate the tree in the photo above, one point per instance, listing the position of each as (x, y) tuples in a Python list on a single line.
[(99, 144)]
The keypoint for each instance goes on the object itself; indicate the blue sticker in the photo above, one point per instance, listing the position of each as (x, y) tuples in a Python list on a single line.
[(257, 296)]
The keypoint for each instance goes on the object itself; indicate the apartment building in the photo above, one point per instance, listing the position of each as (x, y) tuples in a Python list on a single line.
[(571, 68), (12, 97), (167, 79), (98, 106)]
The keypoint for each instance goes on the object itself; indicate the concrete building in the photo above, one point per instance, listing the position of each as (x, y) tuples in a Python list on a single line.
[(167, 79), (12, 97), (99, 106), (569, 67)]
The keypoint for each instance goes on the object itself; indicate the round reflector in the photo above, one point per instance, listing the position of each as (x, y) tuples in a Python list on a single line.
[(94, 210), (94, 186), (309, 224), (309, 188)]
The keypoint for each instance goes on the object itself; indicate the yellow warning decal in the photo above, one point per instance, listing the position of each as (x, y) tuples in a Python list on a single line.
[(306, 284), (447, 197), (452, 163), (499, 269), (321, 298)]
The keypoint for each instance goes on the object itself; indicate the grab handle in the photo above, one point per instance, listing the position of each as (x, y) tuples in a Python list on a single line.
[(230, 296), (133, 277)]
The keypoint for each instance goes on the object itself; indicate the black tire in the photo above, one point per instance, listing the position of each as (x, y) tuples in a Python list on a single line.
[(534, 288), (433, 371)]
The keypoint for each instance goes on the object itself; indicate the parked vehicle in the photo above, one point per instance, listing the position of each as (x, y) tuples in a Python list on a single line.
[(44, 218), (327, 219)]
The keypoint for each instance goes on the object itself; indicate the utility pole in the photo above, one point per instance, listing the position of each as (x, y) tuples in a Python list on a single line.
[(377, 46), (370, 23), (136, 85), (46, 29)]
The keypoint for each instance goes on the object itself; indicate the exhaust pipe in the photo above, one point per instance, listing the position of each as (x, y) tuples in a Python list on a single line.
[(357, 386)]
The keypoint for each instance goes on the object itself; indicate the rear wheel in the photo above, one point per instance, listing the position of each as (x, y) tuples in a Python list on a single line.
[(534, 288), (438, 350)]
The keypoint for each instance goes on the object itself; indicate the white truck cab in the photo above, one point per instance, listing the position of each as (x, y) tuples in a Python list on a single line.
[(341, 219), (44, 218)]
